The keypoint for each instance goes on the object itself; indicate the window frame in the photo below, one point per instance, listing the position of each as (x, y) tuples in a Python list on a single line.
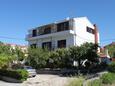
[(47, 45), (90, 30), (61, 43), (63, 26)]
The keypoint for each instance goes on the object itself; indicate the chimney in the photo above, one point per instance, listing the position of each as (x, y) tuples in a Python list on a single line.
[(96, 34)]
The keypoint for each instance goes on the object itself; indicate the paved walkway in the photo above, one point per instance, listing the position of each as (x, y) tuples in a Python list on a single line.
[(2, 83), (47, 80), (41, 80)]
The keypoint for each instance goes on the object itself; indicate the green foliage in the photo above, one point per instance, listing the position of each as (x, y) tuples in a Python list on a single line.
[(8, 55), (108, 78), (111, 50), (62, 58), (23, 74), (37, 57), (17, 74), (5, 60), (90, 51), (76, 82), (5, 49), (18, 54), (112, 67), (86, 51), (53, 60), (96, 82), (76, 53)]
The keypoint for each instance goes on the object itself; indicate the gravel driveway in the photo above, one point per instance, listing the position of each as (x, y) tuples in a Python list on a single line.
[(47, 80), (41, 80)]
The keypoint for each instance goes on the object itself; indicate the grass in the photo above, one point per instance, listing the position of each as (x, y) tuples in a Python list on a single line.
[(107, 79), (76, 82), (96, 82)]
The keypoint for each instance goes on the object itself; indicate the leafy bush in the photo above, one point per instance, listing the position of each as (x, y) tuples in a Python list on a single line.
[(23, 74), (17, 74), (105, 79), (112, 67), (108, 78), (37, 57), (61, 58), (5, 60), (96, 82)]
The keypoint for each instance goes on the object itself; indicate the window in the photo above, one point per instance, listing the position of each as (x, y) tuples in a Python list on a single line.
[(47, 30), (61, 43), (33, 45), (63, 26), (34, 33), (47, 45), (90, 30)]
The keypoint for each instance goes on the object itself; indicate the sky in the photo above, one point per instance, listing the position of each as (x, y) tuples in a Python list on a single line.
[(18, 16)]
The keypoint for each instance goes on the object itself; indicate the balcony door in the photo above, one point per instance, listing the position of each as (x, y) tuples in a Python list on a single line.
[(63, 26), (34, 33)]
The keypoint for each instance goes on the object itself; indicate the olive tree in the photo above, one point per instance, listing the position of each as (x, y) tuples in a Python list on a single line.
[(85, 51), (37, 57)]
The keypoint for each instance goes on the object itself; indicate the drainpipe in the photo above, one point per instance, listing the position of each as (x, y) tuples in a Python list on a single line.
[(96, 34)]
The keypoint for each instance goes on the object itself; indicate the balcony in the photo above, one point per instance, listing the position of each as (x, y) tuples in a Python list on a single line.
[(51, 30), (61, 33)]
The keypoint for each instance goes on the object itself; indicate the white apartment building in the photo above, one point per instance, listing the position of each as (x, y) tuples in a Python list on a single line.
[(65, 33)]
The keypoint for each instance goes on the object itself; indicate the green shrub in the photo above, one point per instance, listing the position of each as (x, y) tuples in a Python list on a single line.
[(112, 67), (76, 82), (108, 78), (17, 74), (96, 82), (23, 74), (5, 60)]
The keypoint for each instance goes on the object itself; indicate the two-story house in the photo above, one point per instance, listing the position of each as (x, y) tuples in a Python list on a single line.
[(65, 33)]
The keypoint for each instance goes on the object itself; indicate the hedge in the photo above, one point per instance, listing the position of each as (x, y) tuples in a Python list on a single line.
[(16, 74), (111, 67), (108, 78), (96, 82)]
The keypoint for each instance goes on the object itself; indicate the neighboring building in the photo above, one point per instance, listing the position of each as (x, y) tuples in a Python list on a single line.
[(104, 56), (65, 33), (23, 48), (104, 53)]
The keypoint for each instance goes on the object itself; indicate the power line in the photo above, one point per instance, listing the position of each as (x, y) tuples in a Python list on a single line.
[(5, 37)]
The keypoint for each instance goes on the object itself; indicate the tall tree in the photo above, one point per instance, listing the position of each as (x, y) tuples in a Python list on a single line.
[(37, 57), (90, 51), (19, 54), (85, 51), (77, 53)]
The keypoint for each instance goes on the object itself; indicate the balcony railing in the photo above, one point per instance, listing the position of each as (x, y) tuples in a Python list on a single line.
[(31, 36)]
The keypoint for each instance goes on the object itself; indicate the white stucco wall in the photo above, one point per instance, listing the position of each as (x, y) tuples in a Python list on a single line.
[(82, 35), (64, 35)]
